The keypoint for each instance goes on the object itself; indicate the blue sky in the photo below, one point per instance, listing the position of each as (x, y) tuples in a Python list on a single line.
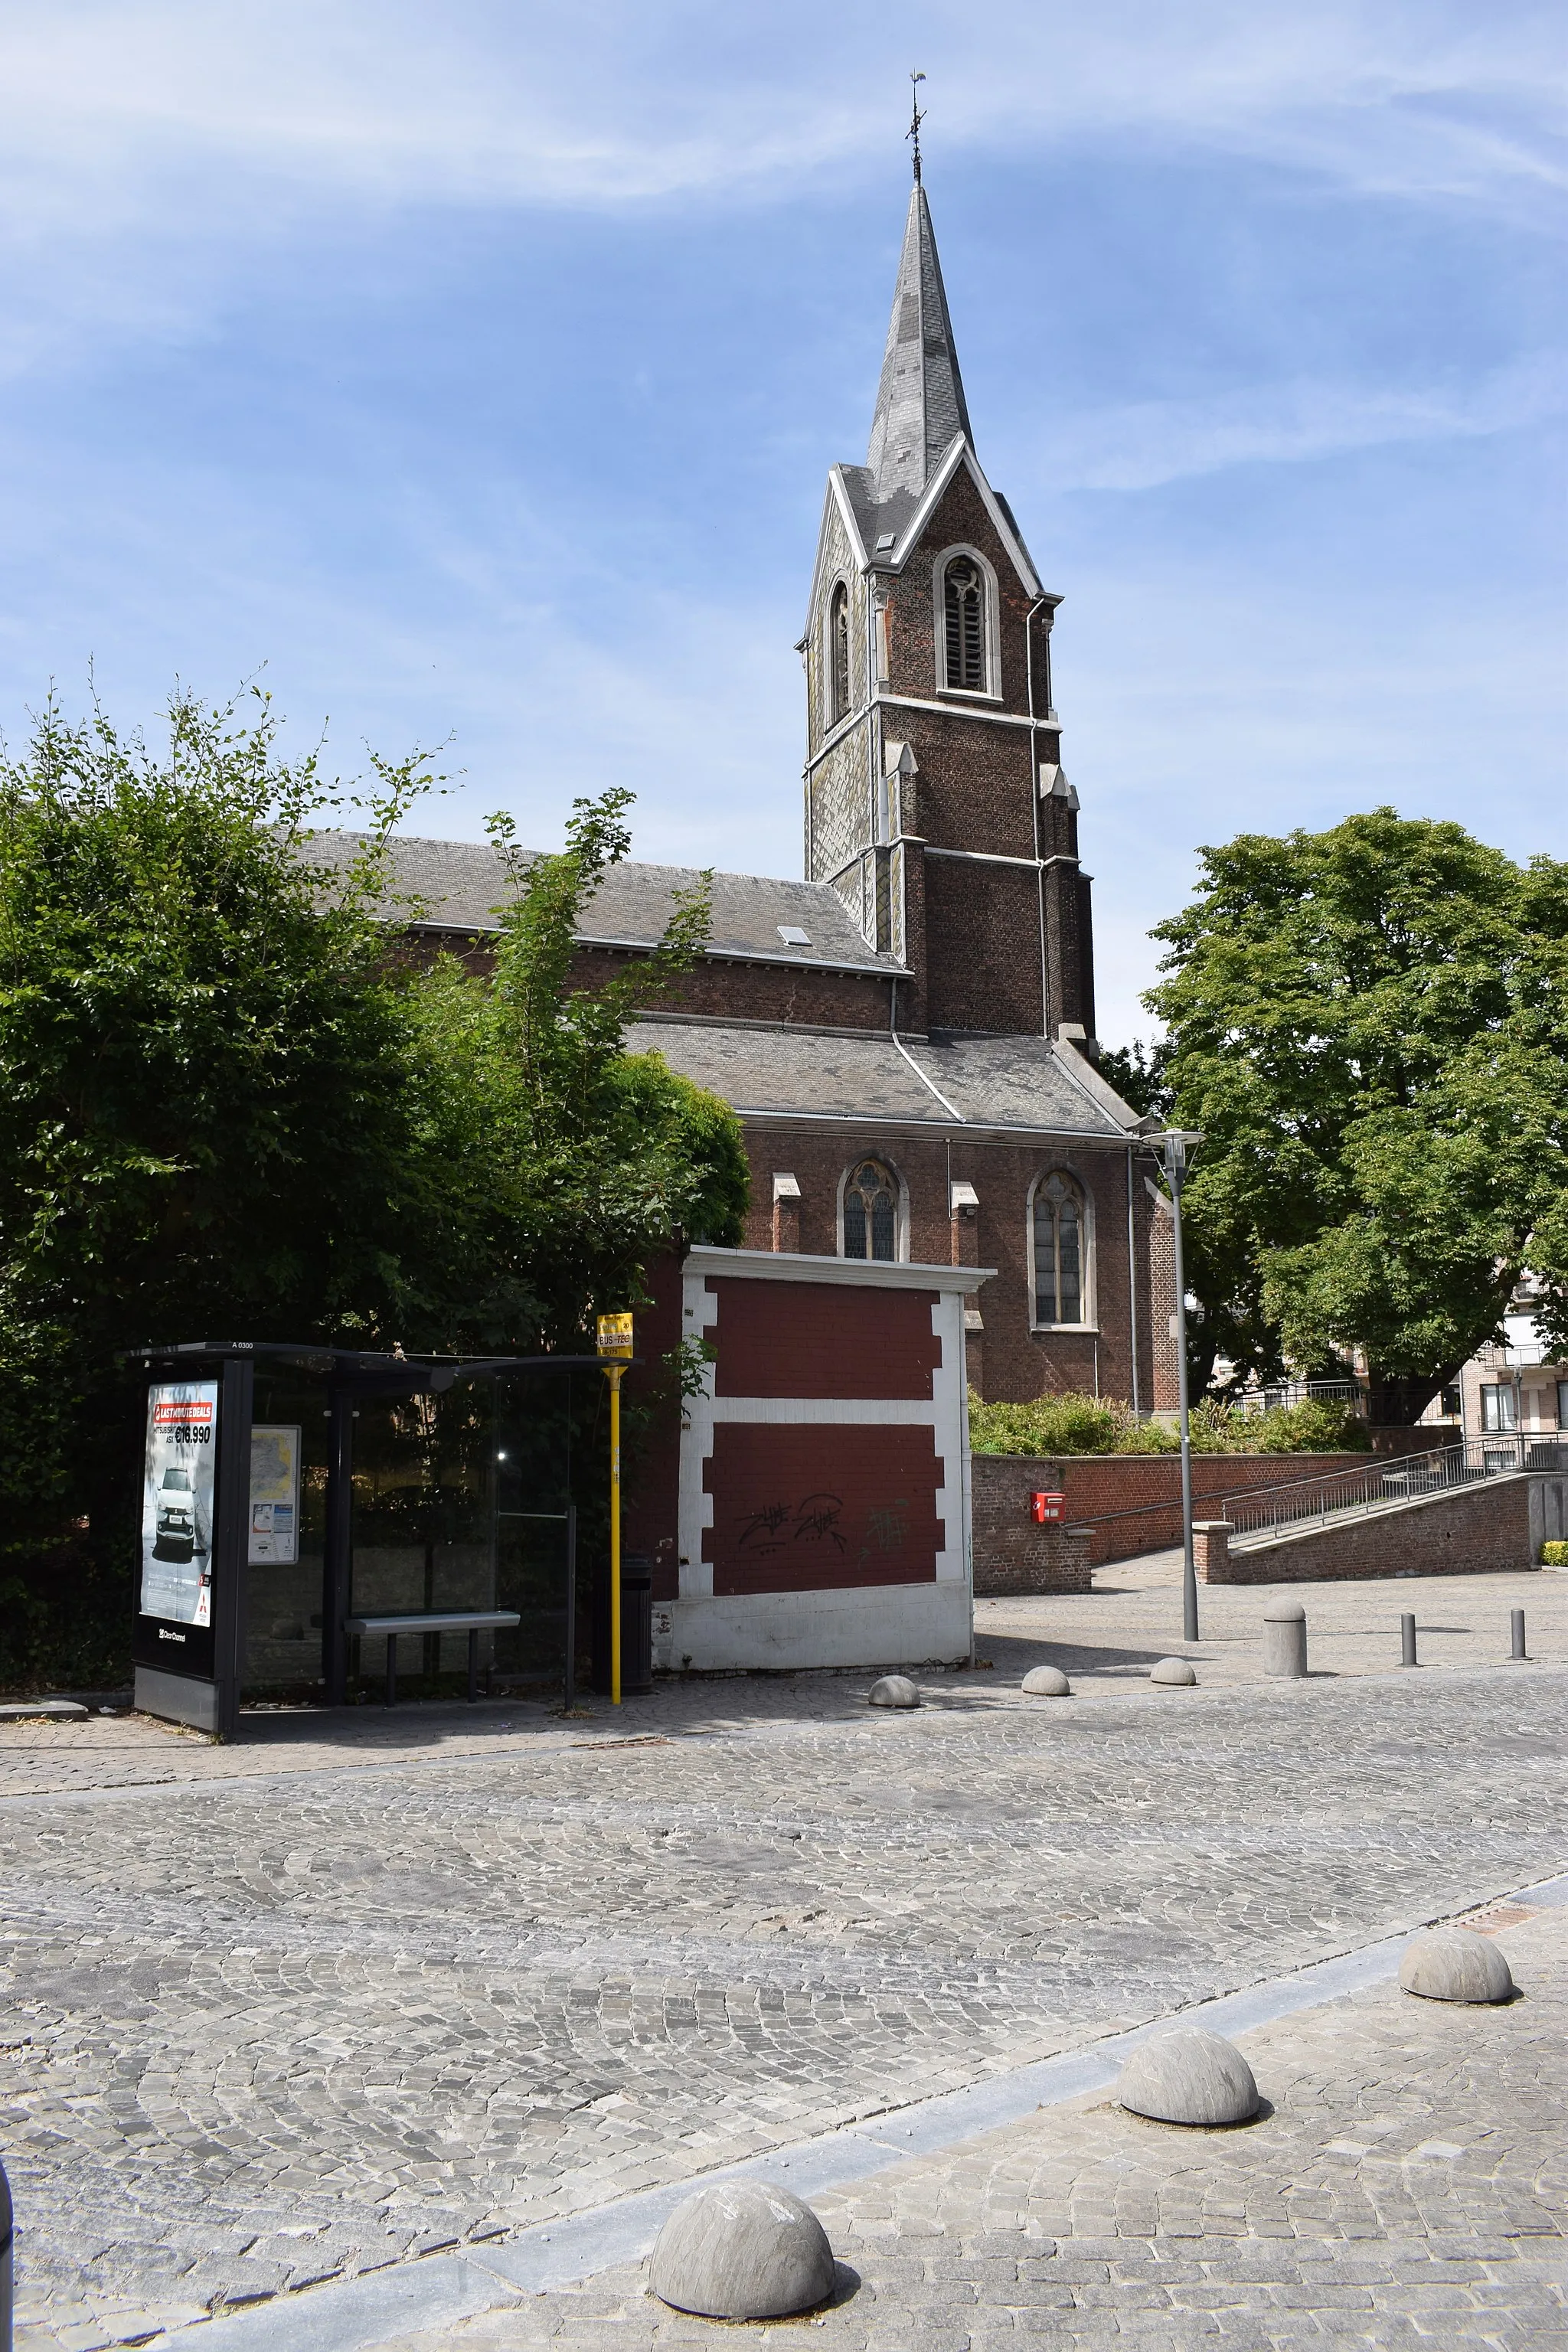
[(475, 370)]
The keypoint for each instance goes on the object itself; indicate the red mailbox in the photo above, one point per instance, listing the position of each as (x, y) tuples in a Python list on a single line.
[(1044, 1507)]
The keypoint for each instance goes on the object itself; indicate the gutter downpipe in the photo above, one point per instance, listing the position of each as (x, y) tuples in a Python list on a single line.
[(1035, 811), (1133, 1281)]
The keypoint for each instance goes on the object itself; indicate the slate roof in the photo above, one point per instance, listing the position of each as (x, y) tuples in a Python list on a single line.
[(1027, 1083), (460, 883), (920, 408)]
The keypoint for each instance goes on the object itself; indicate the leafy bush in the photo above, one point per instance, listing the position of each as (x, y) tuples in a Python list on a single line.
[(1053, 1424), (1314, 1426), (1074, 1424), (1555, 1555)]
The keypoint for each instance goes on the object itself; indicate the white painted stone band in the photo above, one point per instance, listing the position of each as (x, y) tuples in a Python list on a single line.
[(356, 2314)]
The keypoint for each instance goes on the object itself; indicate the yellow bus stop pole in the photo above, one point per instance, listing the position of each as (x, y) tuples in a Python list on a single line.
[(614, 1373), (615, 1334)]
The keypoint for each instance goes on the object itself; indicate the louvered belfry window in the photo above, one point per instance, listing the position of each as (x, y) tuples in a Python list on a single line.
[(1059, 1252), (838, 650), (964, 604), (870, 1212)]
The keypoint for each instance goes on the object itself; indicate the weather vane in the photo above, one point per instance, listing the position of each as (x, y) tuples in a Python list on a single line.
[(917, 116)]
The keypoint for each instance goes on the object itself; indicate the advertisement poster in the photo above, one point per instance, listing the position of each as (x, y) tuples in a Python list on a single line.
[(177, 1502), (273, 1493)]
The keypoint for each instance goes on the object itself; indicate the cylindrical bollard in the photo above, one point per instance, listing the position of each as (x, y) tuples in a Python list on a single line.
[(1518, 1650), (1407, 1639), (1284, 1639)]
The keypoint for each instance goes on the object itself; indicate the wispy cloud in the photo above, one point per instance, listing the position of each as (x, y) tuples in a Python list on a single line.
[(1136, 446), (151, 150), (105, 101)]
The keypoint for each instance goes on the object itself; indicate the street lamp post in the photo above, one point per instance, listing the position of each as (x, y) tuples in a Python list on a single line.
[(1175, 1144)]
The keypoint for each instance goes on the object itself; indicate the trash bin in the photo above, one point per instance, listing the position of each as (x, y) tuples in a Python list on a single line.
[(636, 1626)]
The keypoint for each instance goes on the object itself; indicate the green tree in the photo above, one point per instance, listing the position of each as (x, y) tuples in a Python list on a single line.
[(1138, 1073), (581, 1160), (203, 1108), (229, 1109), (1370, 1025)]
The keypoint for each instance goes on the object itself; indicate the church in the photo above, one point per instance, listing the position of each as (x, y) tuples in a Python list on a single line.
[(907, 1033)]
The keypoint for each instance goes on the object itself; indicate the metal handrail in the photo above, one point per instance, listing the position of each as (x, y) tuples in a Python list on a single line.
[(1274, 1394), (1383, 1485), (1488, 1456)]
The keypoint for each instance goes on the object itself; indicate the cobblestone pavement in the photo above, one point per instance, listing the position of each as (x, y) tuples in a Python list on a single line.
[(1109, 1638), (1409, 2188), (298, 2008), (1106, 1640)]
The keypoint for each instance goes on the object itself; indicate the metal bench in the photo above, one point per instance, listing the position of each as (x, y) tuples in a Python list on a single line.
[(471, 1621)]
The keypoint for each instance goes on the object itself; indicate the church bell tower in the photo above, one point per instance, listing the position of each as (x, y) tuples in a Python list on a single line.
[(936, 805)]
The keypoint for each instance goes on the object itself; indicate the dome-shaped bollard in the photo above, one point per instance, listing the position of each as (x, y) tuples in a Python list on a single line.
[(1188, 2076), (893, 1690), (7, 2253), (743, 2250), (1284, 1639), (1174, 1673), (1455, 1964), (1047, 1682)]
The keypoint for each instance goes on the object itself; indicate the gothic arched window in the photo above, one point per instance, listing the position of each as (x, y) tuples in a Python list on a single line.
[(963, 619), (1061, 1257), (838, 653), (870, 1212)]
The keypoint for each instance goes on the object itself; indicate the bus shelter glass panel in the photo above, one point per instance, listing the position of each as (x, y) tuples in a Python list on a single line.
[(535, 1428), (459, 1503), (424, 1518), (285, 1532)]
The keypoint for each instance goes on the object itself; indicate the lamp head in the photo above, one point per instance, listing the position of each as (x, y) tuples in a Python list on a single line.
[(1176, 1141)]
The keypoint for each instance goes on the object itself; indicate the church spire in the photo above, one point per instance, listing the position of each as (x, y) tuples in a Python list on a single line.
[(920, 401)]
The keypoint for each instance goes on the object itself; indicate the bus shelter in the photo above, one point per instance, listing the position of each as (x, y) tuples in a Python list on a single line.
[(313, 1517)]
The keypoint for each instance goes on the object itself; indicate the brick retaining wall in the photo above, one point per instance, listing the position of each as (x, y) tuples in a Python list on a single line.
[(1148, 1484), (1012, 1554), (1466, 1533)]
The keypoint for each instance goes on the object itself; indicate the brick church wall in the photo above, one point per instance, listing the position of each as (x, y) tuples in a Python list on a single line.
[(961, 520), (983, 947), (979, 951), (1015, 1362)]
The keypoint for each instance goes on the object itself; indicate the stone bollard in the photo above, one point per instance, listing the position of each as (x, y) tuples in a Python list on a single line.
[(1455, 1964), (1284, 1639), (7, 2273), (1188, 2075), (1047, 1682), (1173, 1673), (893, 1690), (743, 2250)]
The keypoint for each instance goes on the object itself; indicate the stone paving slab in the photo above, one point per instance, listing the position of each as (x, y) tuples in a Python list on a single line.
[(1407, 2186), (264, 2027)]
